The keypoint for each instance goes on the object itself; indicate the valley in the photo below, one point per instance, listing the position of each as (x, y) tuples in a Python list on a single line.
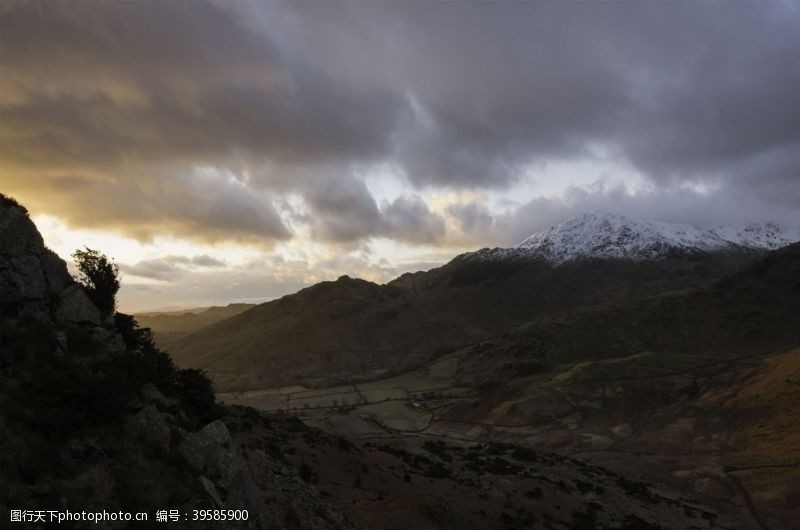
[(699, 424)]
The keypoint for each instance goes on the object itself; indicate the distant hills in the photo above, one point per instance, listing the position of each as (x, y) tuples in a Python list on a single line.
[(168, 326)]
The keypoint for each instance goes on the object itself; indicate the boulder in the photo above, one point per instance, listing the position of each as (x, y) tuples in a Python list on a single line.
[(209, 449)]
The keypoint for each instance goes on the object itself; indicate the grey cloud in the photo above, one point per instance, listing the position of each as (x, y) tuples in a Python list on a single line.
[(155, 269), (474, 220), (409, 219), (684, 91), (344, 211), (172, 267), (205, 260), (172, 80), (203, 207)]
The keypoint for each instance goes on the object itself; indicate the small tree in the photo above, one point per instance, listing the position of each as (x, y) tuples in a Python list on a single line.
[(100, 277)]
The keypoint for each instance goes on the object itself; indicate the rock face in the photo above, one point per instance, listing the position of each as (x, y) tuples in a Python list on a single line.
[(211, 452), (34, 281)]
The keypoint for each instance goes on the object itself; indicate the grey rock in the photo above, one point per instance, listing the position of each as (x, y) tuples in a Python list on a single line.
[(212, 492), (116, 344), (18, 234), (150, 426), (74, 307), (55, 272), (26, 272), (210, 451), (208, 448)]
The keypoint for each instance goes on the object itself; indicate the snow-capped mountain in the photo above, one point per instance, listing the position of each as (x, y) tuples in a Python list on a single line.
[(764, 235), (602, 235)]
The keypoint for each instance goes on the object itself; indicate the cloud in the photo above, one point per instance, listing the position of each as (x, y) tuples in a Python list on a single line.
[(408, 218), (199, 119), (205, 260), (204, 207), (344, 211), (171, 267), (154, 269)]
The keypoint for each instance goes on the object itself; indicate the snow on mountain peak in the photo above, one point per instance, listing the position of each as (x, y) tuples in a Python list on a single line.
[(603, 235)]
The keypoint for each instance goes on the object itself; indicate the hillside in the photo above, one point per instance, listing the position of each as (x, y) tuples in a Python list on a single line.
[(694, 389), (758, 306), (333, 331)]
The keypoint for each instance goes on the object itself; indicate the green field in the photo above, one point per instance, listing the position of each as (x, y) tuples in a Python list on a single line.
[(395, 403)]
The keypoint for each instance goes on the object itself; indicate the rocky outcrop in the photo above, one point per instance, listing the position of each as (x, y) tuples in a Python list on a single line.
[(35, 282), (81, 399), (224, 473)]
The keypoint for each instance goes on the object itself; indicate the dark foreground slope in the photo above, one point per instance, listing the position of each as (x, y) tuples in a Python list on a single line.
[(353, 330)]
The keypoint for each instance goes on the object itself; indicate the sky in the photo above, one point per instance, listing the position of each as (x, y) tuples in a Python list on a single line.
[(238, 151)]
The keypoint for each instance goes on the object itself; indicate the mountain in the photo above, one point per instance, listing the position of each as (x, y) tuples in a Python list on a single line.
[(754, 309), (351, 330), (602, 235), (765, 235)]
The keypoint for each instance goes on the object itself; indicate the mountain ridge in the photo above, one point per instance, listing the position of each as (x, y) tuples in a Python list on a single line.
[(603, 235)]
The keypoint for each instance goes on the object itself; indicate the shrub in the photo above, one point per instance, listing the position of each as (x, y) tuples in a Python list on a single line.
[(100, 277), (195, 391)]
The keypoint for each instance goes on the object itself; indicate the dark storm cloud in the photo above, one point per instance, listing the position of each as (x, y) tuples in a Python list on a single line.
[(474, 220), (344, 211), (145, 80), (135, 96), (409, 219), (686, 92)]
